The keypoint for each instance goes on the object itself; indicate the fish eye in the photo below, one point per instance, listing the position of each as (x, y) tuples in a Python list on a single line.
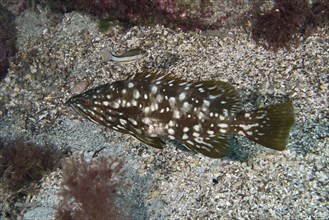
[(86, 101)]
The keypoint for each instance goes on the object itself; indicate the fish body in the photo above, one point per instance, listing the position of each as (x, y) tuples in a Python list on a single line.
[(200, 115), (126, 57)]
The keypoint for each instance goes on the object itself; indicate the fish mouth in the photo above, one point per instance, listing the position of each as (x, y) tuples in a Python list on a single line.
[(69, 103), (72, 106), (77, 108)]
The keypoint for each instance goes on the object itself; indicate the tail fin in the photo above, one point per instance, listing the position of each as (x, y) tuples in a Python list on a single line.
[(269, 126), (107, 56)]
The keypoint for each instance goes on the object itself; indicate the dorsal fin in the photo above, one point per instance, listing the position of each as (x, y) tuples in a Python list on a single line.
[(150, 74), (222, 96)]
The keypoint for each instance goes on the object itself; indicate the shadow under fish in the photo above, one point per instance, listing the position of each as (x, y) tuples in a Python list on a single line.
[(200, 115)]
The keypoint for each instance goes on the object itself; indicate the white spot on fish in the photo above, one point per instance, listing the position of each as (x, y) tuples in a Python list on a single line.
[(134, 102), (195, 134), (172, 123), (172, 101), (154, 89), (119, 126), (223, 130), (123, 121), (196, 127), (176, 114), (260, 117), (201, 115), (186, 107), (160, 78), (210, 132), (159, 98), (133, 121), (171, 131), (136, 94), (115, 105), (247, 127), (206, 103), (154, 107), (214, 96), (146, 110), (147, 120), (225, 112), (171, 137), (130, 85), (222, 125), (182, 96)]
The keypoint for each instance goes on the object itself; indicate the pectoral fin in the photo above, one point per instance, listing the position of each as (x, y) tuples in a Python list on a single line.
[(152, 141)]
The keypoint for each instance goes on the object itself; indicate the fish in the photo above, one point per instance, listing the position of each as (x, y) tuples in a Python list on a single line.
[(201, 115), (126, 57)]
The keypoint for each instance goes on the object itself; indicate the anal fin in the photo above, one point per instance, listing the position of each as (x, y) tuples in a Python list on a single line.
[(216, 147)]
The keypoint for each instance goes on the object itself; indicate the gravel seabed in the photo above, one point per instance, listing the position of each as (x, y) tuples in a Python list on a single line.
[(56, 52)]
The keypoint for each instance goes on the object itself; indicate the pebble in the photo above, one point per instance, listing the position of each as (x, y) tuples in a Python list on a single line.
[(80, 87), (33, 69)]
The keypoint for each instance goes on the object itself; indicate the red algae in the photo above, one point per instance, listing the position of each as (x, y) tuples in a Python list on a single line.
[(172, 13), (7, 40)]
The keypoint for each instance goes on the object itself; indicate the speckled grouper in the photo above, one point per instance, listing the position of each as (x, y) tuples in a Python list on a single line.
[(200, 115)]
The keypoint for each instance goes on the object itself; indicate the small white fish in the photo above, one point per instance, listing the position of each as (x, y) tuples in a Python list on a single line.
[(126, 57)]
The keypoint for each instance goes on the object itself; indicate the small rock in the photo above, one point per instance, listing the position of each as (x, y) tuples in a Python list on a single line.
[(80, 87), (33, 69)]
